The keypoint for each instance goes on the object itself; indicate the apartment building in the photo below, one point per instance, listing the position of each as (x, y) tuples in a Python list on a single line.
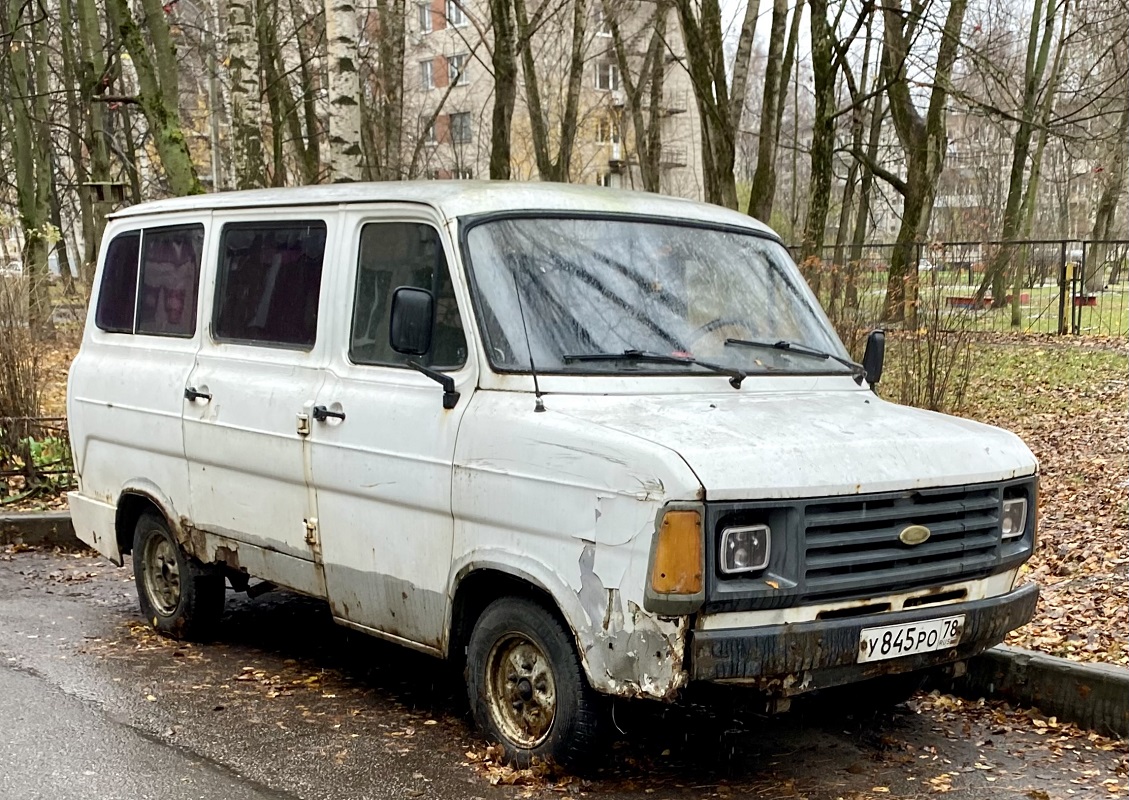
[(449, 94)]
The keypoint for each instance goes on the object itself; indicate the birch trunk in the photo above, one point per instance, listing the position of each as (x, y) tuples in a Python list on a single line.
[(344, 91), (246, 95)]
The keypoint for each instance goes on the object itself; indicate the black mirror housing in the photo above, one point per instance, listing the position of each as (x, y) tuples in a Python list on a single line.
[(874, 356), (412, 320)]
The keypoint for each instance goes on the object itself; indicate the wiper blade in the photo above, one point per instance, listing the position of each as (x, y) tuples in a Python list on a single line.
[(735, 375), (858, 371)]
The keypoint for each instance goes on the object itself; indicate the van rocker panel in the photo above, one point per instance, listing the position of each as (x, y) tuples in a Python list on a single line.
[(794, 658)]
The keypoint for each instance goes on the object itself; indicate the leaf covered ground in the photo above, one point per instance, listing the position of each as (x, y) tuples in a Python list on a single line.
[(1068, 400)]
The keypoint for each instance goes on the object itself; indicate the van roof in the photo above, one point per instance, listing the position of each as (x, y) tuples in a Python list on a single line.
[(458, 198)]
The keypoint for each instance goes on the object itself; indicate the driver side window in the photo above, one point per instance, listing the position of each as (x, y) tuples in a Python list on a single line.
[(393, 255)]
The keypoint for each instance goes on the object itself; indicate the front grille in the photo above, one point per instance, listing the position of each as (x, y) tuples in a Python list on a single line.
[(851, 545)]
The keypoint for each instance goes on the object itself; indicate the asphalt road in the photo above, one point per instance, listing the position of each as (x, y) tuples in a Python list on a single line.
[(287, 705)]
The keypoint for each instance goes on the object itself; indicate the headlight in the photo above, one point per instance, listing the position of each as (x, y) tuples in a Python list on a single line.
[(744, 549), (1014, 519)]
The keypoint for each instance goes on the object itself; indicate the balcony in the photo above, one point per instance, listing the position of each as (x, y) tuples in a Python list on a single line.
[(673, 155)]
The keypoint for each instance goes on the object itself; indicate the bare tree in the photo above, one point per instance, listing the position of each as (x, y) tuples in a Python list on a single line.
[(923, 138)]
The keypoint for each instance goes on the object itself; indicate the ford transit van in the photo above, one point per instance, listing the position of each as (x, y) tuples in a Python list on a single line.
[(583, 443)]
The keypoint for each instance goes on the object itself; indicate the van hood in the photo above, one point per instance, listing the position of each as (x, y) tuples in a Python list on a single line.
[(746, 445)]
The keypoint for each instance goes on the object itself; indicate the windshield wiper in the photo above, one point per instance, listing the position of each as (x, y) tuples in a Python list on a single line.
[(858, 372), (735, 375)]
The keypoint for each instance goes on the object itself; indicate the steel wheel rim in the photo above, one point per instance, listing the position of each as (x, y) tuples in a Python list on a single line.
[(162, 573), (521, 690)]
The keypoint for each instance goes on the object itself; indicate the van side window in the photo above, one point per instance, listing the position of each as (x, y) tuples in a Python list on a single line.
[(395, 254), (170, 277), (268, 283), (117, 295)]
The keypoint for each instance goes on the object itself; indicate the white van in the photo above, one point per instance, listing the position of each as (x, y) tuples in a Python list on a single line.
[(584, 443)]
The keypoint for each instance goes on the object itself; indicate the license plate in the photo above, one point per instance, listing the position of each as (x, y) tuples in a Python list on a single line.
[(895, 641)]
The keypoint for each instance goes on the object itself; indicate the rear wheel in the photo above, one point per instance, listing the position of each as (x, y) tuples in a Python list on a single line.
[(178, 595), (526, 687)]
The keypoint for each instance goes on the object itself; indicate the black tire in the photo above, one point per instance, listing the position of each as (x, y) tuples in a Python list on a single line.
[(566, 729), (179, 596)]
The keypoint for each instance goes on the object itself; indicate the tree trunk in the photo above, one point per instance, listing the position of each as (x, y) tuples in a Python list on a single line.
[(923, 139), (246, 95), (159, 95), (391, 73), (719, 118), (647, 129), (504, 60), (24, 28), (1038, 49), (344, 91), (1113, 184), (93, 82), (77, 114), (552, 168), (823, 133), (763, 190)]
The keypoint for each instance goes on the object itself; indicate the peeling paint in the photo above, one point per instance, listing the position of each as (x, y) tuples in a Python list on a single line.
[(632, 654)]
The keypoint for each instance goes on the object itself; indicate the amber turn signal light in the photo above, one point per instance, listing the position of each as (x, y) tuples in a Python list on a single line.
[(677, 565)]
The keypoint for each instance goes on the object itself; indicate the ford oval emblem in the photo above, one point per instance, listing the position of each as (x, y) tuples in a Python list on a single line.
[(914, 535)]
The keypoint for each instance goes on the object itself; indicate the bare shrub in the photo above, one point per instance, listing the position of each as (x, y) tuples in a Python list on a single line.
[(19, 379), (928, 364)]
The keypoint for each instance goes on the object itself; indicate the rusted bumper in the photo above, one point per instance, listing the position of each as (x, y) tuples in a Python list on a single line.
[(791, 659)]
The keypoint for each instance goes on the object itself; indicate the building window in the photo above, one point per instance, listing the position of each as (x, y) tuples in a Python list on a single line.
[(606, 131), (455, 14), (603, 25), (427, 129), (456, 69), (607, 76), (424, 11), (427, 74), (460, 128)]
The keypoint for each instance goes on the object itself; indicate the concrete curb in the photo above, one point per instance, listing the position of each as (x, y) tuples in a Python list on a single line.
[(39, 529), (1094, 696)]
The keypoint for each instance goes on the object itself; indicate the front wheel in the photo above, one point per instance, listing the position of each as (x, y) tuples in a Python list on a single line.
[(179, 596), (526, 687)]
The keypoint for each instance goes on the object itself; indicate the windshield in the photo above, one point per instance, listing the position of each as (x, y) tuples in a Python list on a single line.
[(614, 286)]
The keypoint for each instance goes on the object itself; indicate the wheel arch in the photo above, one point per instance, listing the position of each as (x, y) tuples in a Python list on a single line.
[(135, 499), (478, 584)]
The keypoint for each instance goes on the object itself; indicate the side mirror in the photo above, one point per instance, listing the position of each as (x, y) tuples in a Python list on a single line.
[(874, 356), (412, 319)]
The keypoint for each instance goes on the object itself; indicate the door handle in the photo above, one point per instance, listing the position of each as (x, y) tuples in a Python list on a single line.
[(191, 394), (321, 414)]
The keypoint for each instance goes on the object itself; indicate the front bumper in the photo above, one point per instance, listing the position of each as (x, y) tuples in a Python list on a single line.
[(791, 659)]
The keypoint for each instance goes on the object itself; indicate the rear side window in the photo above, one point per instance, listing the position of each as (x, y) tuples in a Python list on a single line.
[(395, 254), (268, 283), (117, 295), (170, 275)]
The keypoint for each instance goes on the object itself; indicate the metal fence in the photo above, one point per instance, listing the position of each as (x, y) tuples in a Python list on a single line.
[(35, 457), (1062, 286)]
